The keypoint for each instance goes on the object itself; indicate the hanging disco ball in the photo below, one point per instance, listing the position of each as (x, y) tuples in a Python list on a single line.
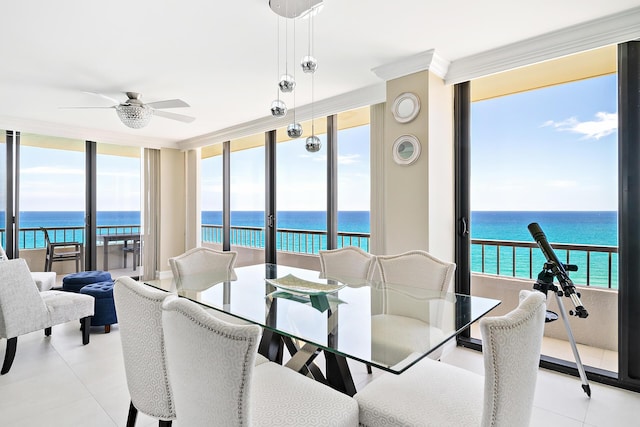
[(309, 64), (278, 108), (287, 83), (313, 144), (294, 130)]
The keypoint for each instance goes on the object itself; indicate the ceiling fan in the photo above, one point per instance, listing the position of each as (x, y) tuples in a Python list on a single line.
[(136, 114)]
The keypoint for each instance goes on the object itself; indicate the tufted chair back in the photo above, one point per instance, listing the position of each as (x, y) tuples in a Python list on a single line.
[(349, 263), (511, 348), (199, 268), (139, 310), (211, 364)]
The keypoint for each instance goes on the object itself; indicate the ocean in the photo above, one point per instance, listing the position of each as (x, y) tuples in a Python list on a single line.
[(585, 228)]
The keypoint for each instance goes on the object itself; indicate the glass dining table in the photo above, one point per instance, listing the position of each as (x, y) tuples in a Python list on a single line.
[(389, 326)]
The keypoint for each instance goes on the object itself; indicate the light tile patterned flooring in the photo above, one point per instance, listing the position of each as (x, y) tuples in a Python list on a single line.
[(56, 381)]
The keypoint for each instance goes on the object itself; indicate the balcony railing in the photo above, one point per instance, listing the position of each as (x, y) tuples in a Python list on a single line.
[(287, 240), (33, 238), (597, 265)]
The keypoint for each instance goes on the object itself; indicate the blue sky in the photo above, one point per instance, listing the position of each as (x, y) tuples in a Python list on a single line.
[(547, 149), (53, 180), (301, 180)]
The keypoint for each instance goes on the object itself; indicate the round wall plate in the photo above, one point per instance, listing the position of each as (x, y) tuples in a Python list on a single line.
[(406, 150), (405, 107)]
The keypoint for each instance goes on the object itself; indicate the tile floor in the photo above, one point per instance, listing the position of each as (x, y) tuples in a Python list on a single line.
[(58, 382)]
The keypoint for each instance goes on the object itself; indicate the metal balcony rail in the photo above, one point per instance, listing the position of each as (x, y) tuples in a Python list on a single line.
[(287, 240), (33, 238), (597, 265)]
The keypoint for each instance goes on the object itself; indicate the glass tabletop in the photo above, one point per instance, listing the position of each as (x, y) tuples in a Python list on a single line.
[(389, 326)]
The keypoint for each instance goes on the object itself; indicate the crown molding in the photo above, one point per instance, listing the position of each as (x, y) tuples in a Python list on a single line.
[(612, 29), (85, 134), (358, 98), (428, 60)]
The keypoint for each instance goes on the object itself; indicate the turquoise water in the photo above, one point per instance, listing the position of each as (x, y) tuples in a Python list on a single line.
[(590, 228)]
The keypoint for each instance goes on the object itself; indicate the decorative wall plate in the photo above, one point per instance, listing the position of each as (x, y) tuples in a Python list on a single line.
[(405, 107), (406, 149)]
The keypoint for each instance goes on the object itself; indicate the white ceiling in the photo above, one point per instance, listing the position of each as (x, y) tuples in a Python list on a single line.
[(220, 57)]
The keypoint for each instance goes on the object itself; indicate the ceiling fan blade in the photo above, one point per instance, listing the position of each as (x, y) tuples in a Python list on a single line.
[(169, 103), (174, 116), (115, 101)]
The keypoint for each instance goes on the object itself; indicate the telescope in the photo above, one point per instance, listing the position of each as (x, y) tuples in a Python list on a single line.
[(553, 268), (558, 270)]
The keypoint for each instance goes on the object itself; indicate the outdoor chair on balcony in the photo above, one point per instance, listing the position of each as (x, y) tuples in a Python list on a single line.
[(62, 251), (133, 249), (436, 394), (23, 309)]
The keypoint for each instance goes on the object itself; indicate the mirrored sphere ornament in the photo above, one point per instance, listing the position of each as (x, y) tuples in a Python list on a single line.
[(313, 144), (278, 108), (287, 83), (294, 130), (309, 64)]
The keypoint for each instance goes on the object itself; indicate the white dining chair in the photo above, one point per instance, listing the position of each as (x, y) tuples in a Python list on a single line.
[(24, 309), (215, 380), (200, 268), (139, 310), (433, 393), (414, 269), (349, 264)]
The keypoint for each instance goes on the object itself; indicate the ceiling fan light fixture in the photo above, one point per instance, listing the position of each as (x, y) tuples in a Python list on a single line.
[(134, 116)]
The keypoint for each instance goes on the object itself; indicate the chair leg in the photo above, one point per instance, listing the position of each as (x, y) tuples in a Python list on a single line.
[(369, 369), (47, 331), (107, 329), (163, 423), (133, 414), (85, 327), (9, 354)]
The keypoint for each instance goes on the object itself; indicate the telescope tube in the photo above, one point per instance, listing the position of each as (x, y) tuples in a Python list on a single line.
[(557, 268)]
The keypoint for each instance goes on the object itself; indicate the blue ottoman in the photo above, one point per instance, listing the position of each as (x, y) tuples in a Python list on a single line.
[(76, 281), (105, 310)]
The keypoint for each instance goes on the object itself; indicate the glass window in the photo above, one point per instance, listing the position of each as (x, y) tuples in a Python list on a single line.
[(52, 194), (301, 191), (248, 192), (118, 209), (211, 194), (549, 156)]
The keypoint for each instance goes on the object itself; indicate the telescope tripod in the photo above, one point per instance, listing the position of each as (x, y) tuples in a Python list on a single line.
[(545, 284)]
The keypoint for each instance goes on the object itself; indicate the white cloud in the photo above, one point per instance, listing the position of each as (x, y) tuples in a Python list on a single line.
[(349, 159), (603, 125)]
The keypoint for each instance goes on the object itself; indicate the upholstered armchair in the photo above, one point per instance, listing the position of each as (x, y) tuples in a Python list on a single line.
[(432, 393), (24, 309), (215, 380)]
